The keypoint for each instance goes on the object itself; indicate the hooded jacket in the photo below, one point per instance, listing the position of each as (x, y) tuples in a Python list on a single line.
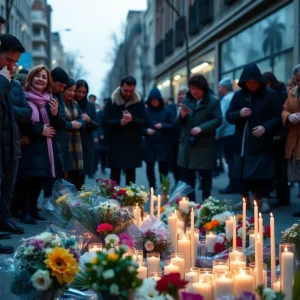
[(158, 144), (265, 106)]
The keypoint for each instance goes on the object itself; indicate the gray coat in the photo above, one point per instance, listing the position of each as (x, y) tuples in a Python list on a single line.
[(208, 116)]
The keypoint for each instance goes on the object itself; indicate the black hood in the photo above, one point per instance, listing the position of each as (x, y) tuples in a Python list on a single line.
[(251, 72), (155, 94)]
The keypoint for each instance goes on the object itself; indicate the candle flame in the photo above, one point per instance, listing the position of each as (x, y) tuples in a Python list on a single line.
[(285, 249), (223, 276), (271, 215), (192, 208), (243, 273), (259, 215), (255, 204), (201, 281), (183, 199), (234, 218)]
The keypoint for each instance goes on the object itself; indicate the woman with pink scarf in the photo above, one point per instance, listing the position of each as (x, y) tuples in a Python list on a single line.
[(42, 157)]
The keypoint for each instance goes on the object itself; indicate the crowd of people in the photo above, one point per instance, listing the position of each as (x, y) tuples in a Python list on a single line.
[(52, 128)]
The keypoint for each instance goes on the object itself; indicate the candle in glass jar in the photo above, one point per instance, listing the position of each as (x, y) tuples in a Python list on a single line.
[(142, 272), (223, 286), (184, 205), (220, 268), (172, 229), (287, 272), (153, 262), (203, 288), (211, 239), (242, 283), (184, 247), (237, 263), (171, 268), (178, 261)]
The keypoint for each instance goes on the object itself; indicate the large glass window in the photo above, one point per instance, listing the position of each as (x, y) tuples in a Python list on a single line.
[(266, 38)]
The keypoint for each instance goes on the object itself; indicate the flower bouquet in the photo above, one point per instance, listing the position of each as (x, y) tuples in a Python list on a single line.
[(132, 195), (107, 188), (110, 273), (292, 235), (44, 265)]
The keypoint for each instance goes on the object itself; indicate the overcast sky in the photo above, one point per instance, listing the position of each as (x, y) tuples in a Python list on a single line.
[(91, 22)]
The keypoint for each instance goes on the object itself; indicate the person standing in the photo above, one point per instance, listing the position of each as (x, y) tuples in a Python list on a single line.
[(10, 150), (199, 117), (72, 152), (124, 117), (41, 157), (225, 133), (157, 136), (291, 121), (255, 112), (88, 115)]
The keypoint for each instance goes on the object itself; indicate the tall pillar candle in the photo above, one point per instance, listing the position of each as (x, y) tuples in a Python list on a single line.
[(229, 228), (171, 268), (184, 247), (158, 207), (255, 218), (142, 271), (151, 202), (196, 241), (261, 236), (243, 281), (138, 216), (193, 254), (172, 231), (234, 233), (258, 261), (153, 261), (223, 284), (184, 205), (244, 224), (272, 244), (211, 239), (287, 270), (176, 233), (177, 259)]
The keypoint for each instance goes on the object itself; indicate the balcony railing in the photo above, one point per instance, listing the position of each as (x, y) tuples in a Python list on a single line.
[(39, 38), (169, 42), (39, 53), (180, 32), (159, 52)]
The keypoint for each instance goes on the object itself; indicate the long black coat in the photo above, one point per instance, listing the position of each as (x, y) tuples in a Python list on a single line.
[(124, 142), (35, 160), (265, 105), (87, 137), (158, 146)]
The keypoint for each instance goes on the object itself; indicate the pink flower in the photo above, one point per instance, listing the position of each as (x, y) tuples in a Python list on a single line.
[(104, 228), (126, 239), (149, 246)]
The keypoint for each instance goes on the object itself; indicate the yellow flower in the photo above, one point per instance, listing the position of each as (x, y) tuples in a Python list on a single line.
[(162, 209), (86, 194), (94, 261), (240, 217), (208, 226), (129, 193), (61, 199), (62, 264), (113, 256)]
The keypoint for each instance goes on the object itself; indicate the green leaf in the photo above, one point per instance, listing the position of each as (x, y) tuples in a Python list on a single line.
[(296, 287)]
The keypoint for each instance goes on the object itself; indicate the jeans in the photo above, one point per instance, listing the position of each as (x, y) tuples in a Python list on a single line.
[(115, 174), (10, 171), (206, 182), (150, 170)]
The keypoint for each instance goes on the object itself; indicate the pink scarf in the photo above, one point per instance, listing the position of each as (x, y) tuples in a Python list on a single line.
[(38, 101)]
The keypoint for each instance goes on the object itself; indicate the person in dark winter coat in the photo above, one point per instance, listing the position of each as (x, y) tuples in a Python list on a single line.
[(88, 115), (41, 157), (199, 117), (72, 151), (124, 117), (279, 140), (255, 111), (10, 150), (157, 136)]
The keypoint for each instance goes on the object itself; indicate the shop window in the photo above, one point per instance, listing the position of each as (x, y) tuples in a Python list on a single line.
[(283, 65)]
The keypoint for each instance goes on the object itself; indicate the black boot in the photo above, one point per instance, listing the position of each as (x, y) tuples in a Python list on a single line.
[(27, 219)]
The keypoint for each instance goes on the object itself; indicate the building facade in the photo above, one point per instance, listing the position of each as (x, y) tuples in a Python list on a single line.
[(59, 58), (19, 25), (223, 36), (41, 33)]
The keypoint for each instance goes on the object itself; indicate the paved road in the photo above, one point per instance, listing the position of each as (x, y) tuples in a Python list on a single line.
[(283, 219)]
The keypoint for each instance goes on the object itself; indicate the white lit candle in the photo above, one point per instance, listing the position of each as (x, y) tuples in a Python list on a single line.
[(255, 218), (193, 254), (203, 288), (184, 205), (223, 286), (244, 224), (229, 228), (95, 247), (287, 273), (189, 276), (276, 286), (211, 239), (151, 202), (184, 247), (180, 226), (138, 215), (153, 263), (220, 268), (142, 272), (158, 207), (177, 261), (251, 238), (258, 261), (272, 244), (234, 233), (242, 283), (237, 263), (171, 268), (172, 229)]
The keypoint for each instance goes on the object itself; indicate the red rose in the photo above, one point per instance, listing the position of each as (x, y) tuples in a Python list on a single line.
[(172, 279), (239, 242), (251, 220), (267, 231), (105, 227), (219, 248)]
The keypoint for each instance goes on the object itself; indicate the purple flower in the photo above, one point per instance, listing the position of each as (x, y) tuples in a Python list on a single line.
[(246, 296), (77, 204), (37, 243)]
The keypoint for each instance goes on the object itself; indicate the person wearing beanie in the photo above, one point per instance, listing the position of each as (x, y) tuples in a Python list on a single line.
[(59, 80), (225, 133)]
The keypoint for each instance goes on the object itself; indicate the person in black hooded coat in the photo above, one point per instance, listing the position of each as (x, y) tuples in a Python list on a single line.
[(255, 110), (158, 138)]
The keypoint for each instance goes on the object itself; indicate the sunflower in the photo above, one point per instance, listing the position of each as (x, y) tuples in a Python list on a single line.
[(62, 264), (61, 199)]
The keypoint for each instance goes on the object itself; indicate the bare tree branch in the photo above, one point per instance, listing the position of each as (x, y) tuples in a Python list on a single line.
[(75, 68)]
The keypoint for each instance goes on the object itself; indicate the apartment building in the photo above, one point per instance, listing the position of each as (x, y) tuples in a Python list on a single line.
[(59, 57), (223, 36)]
